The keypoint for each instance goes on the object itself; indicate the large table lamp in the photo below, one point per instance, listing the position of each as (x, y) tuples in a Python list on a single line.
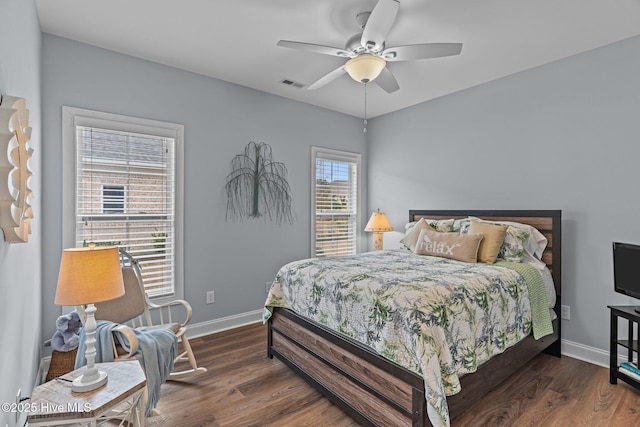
[(87, 276), (378, 224)]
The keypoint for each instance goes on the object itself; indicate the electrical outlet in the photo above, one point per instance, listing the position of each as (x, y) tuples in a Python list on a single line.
[(267, 286), (566, 312), (211, 298)]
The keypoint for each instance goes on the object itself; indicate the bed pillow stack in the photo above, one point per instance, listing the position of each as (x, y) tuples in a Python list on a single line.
[(522, 242), (506, 241), (437, 238)]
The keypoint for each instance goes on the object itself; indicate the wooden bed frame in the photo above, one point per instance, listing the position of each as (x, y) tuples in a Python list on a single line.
[(375, 391)]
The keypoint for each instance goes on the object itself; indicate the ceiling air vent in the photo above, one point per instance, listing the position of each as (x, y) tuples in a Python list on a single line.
[(291, 83)]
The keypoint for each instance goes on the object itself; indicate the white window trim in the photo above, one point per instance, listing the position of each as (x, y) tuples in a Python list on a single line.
[(342, 156), (72, 117)]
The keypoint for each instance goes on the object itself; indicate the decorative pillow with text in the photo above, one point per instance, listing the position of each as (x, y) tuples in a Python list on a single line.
[(460, 247)]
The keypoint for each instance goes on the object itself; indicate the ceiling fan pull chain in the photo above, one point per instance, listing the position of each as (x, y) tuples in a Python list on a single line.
[(365, 109)]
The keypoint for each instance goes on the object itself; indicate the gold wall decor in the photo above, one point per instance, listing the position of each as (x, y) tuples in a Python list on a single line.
[(15, 195)]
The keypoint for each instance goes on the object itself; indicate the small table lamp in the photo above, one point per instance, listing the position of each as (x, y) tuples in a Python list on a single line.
[(378, 224), (89, 275)]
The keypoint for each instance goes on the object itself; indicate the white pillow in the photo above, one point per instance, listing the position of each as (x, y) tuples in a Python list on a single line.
[(549, 287)]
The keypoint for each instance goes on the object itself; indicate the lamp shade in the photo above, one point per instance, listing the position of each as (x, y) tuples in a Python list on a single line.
[(378, 223), (365, 68), (89, 275)]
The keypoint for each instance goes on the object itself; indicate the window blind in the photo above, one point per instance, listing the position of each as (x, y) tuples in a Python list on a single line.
[(125, 193), (335, 205)]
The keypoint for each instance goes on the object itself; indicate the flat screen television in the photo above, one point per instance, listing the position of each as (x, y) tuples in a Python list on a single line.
[(626, 269)]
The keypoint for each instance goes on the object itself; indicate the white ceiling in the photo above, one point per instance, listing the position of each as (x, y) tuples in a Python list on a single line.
[(235, 40)]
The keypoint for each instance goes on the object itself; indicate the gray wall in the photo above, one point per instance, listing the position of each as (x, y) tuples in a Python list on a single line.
[(20, 271), (234, 259), (560, 136)]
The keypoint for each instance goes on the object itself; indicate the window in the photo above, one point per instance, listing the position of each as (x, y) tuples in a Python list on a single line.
[(113, 199), (124, 189), (335, 202)]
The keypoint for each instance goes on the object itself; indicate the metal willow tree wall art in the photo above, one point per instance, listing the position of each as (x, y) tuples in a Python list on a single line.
[(257, 186)]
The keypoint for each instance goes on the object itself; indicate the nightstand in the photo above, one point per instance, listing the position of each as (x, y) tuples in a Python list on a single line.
[(630, 346), (53, 403)]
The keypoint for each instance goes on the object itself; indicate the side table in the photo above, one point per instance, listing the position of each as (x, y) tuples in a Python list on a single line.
[(630, 346), (53, 403)]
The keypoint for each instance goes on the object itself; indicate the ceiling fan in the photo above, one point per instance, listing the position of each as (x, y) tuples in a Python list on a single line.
[(367, 53)]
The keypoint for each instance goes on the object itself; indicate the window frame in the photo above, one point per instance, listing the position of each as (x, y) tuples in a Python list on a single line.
[(72, 117), (340, 156)]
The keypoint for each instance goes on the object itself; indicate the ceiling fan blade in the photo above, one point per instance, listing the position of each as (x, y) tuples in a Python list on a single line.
[(328, 78), (317, 48), (379, 24), (421, 51), (387, 81)]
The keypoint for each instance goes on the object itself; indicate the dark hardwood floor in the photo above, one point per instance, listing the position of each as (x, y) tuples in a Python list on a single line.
[(244, 388)]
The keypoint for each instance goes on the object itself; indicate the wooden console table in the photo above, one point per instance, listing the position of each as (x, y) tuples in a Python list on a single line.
[(53, 403)]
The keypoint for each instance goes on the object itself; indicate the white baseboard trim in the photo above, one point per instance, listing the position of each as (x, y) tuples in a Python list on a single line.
[(43, 369), (195, 330), (573, 349), (586, 353)]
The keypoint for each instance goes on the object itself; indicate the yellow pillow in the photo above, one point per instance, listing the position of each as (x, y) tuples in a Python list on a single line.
[(493, 238), (410, 239), (461, 247)]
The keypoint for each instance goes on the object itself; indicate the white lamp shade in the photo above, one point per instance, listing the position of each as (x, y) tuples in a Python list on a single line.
[(89, 275), (378, 223), (365, 68)]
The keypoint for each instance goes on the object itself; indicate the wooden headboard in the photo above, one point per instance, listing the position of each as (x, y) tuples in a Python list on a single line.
[(548, 222)]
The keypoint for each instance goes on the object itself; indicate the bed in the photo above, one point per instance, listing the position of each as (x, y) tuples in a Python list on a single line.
[(375, 390)]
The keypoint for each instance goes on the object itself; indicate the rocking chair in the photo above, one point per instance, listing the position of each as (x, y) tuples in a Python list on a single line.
[(135, 310)]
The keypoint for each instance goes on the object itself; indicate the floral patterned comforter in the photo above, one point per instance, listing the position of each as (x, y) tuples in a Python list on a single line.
[(437, 317)]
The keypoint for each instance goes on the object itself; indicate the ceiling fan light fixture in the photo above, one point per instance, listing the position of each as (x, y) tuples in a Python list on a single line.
[(365, 68)]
